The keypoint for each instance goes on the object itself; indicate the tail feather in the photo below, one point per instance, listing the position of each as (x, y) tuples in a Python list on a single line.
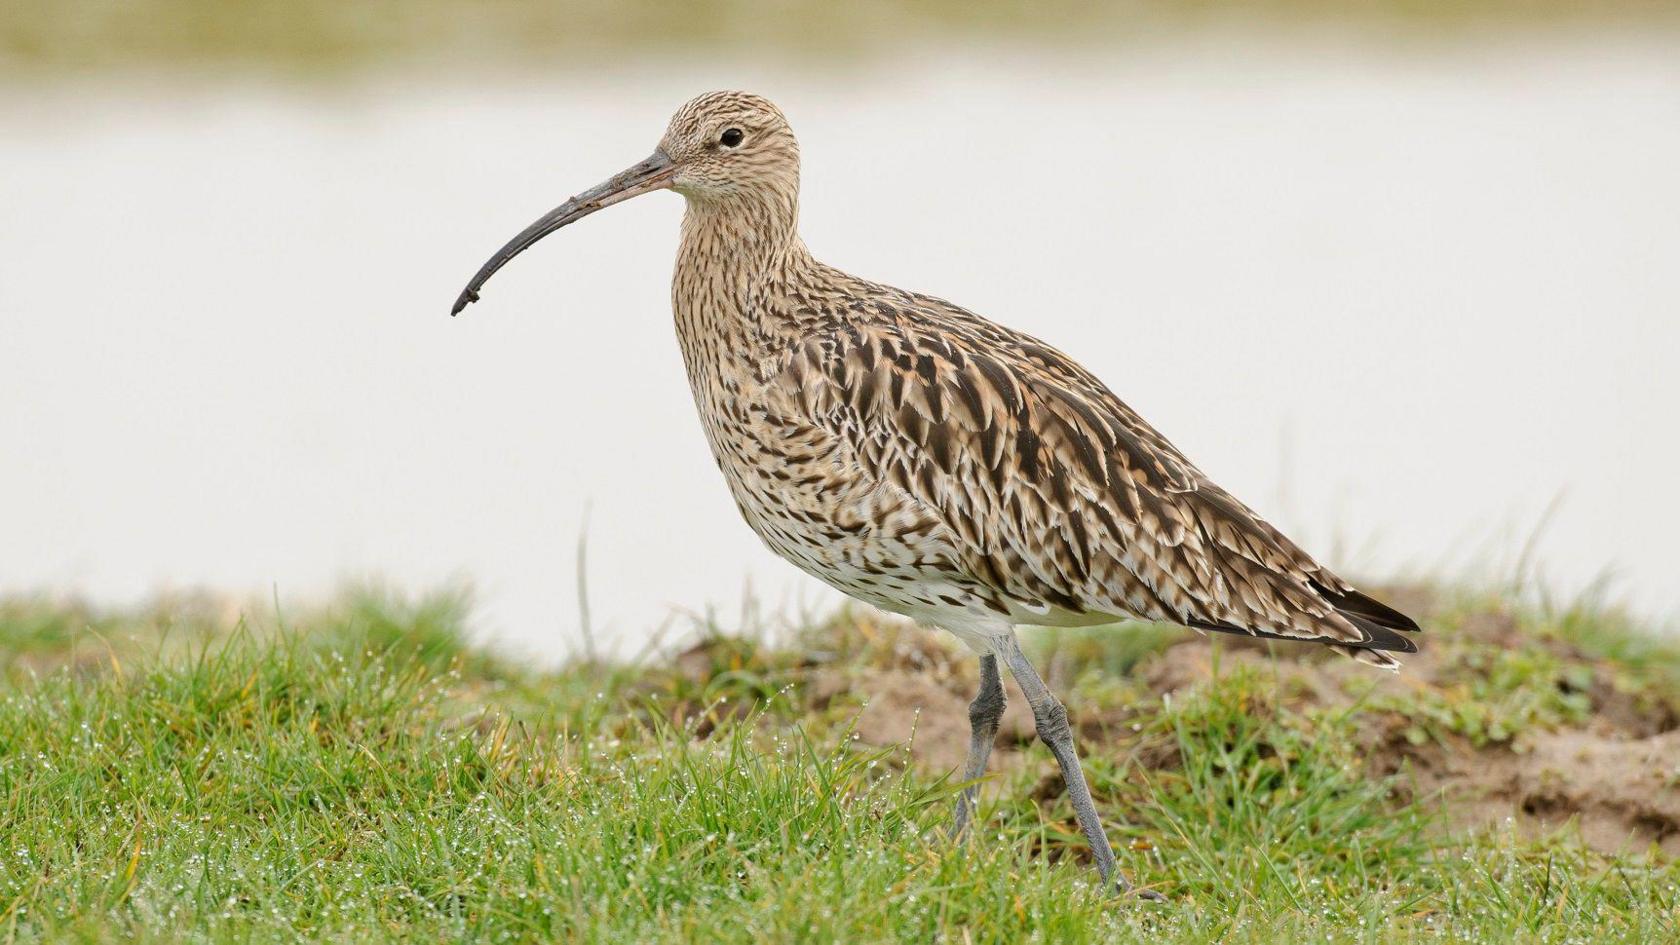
[(1354, 604), (1377, 636), (1381, 628)]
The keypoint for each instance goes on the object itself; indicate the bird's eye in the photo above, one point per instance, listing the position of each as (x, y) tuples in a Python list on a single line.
[(731, 137)]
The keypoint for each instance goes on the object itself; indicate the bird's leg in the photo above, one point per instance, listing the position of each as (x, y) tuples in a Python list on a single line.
[(1053, 729), (983, 715)]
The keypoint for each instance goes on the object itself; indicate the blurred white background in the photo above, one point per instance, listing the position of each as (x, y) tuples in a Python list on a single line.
[(1402, 301)]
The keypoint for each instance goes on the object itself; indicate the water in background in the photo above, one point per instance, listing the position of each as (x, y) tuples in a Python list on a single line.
[(1403, 303)]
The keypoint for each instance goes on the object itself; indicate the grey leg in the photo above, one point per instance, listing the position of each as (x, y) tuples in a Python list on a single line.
[(983, 715), (1053, 729)]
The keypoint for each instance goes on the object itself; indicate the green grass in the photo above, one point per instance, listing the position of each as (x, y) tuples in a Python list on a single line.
[(362, 774)]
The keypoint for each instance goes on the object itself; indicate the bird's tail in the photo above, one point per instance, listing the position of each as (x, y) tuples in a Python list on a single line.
[(1382, 628)]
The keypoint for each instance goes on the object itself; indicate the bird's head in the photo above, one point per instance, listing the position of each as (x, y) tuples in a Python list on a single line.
[(731, 146), (721, 150)]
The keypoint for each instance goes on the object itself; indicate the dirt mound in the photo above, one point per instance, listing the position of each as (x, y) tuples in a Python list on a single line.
[(1624, 794), (1496, 720), (1615, 774), (928, 715), (1563, 742)]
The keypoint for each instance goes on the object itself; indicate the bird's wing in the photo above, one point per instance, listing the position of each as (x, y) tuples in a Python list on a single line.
[(1062, 498)]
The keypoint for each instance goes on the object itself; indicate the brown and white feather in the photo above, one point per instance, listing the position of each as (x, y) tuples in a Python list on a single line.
[(920, 457)]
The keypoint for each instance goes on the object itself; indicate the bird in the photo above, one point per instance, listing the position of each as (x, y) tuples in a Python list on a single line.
[(938, 465)]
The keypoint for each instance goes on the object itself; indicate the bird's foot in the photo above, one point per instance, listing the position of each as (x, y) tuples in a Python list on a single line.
[(1125, 890)]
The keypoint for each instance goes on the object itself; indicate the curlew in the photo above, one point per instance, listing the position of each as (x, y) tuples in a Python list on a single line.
[(935, 464)]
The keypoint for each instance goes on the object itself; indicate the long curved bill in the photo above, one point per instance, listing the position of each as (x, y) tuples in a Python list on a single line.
[(654, 173)]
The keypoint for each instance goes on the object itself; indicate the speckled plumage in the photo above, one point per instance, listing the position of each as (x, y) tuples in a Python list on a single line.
[(926, 460), (933, 463)]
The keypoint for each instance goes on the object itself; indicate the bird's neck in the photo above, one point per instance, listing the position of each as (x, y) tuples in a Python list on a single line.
[(751, 233), (735, 266)]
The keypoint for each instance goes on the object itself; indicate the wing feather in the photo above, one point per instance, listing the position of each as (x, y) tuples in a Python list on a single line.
[(1061, 498)]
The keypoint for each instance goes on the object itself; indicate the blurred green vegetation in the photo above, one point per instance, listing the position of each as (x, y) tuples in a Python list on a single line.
[(84, 35)]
